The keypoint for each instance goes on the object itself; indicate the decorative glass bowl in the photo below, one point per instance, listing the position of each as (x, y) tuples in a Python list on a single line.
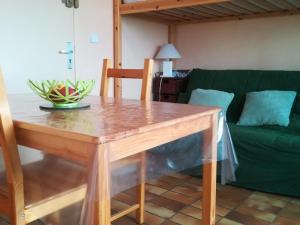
[(62, 94)]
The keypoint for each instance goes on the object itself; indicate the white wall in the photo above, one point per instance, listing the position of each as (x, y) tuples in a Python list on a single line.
[(140, 40), (27, 29), (267, 43)]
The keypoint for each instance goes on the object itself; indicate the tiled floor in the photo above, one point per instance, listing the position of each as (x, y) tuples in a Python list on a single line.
[(176, 200)]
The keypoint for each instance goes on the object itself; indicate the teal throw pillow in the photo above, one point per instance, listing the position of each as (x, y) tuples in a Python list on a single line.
[(267, 108), (211, 98)]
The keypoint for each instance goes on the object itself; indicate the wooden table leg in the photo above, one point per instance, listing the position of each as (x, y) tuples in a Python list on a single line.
[(210, 173), (141, 190), (102, 208)]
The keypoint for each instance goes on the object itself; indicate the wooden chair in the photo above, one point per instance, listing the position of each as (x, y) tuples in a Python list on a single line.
[(146, 76), (32, 191)]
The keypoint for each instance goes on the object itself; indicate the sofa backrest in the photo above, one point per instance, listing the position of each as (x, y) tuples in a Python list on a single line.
[(240, 82)]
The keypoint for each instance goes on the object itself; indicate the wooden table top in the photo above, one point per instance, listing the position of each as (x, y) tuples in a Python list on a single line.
[(106, 120)]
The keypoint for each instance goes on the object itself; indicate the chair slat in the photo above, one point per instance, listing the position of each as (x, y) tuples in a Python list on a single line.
[(125, 73)]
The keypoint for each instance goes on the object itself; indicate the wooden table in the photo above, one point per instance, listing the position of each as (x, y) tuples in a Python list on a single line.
[(112, 130)]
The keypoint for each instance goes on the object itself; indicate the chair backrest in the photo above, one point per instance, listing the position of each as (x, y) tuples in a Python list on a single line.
[(144, 74), (10, 152)]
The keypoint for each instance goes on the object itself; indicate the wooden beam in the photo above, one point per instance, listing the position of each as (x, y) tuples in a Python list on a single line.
[(117, 47), (172, 34), (156, 5)]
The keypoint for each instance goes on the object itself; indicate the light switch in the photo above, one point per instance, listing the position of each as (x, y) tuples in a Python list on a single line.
[(94, 39)]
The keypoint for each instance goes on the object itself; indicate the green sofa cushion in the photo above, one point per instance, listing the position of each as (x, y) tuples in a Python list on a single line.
[(277, 154), (267, 107), (240, 82), (211, 98)]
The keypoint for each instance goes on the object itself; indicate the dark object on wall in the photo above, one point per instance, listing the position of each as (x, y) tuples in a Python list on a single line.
[(71, 3)]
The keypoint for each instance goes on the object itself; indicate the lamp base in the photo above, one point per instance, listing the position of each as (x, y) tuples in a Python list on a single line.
[(167, 69)]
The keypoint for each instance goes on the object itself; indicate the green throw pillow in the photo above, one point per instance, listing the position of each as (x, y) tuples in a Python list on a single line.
[(267, 108), (211, 98)]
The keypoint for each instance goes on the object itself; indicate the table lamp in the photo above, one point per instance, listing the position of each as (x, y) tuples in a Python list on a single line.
[(168, 52)]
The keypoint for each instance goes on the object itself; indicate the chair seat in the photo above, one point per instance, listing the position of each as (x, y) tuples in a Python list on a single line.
[(47, 178)]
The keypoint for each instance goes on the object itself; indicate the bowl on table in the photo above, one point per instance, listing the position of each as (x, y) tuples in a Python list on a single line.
[(62, 94)]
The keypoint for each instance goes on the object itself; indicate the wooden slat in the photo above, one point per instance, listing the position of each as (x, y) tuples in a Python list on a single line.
[(147, 80), (117, 47), (246, 5), (264, 5), (175, 14), (125, 73), (222, 9), (281, 4), (209, 11), (235, 8), (104, 79), (155, 5), (196, 13), (242, 17), (155, 18), (188, 15), (295, 3), (124, 212), (167, 18)]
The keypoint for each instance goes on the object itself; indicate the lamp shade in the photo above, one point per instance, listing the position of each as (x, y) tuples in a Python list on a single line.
[(168, 51)]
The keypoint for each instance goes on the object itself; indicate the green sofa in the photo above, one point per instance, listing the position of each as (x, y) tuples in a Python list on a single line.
[(269, 156)]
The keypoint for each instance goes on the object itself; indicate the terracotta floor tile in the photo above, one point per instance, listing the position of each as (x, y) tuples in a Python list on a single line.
[(285, 221), (162, 184), (177, 200), (125, 221), (168, 222), (188, 191), (150, 219), (291, 211), (268, 200), (117, 206), (221, 211), (245, 219), (158, 210), (126, 198), (261, 206), (279, 197), (155, 190), (185, 220), (296, 201), (180, 176), (193, 212), (196, 181), (225, 221), (230, 199), (258, 214), (179, 197), (168, 203), (194, 187)]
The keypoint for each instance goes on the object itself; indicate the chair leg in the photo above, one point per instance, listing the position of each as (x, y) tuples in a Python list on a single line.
[(141, 190), (141, 201)]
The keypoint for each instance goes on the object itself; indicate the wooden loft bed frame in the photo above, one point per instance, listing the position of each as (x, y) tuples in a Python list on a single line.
[(174, 12)]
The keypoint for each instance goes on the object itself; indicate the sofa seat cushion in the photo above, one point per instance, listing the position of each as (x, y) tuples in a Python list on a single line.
[(268, 157), (271, 138)]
